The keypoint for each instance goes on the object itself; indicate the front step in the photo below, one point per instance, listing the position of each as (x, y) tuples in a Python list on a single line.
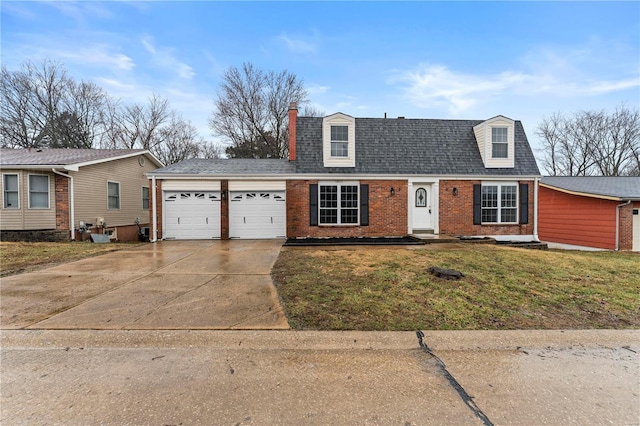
[(435, 239)]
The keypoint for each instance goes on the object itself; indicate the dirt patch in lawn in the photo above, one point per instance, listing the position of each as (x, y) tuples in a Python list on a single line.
[(503, 288)]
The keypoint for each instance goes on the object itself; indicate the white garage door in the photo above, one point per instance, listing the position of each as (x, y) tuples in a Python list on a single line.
[(191, 215), (257, 214)]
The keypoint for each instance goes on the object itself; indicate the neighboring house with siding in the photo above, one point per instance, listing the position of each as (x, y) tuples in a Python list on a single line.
[(50, 193), (360, 177), (590, 212)]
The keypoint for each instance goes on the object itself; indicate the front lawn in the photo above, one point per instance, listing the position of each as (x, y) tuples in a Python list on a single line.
[(384, 288), (21, 257)]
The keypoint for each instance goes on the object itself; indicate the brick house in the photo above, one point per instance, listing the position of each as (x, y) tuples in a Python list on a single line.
[(359, 177), (53, 194), (591, 211)]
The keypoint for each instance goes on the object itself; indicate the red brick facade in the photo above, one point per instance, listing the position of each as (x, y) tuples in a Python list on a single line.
[(158, 210), (626, 225), (456, 211), (387, 211), (62, 203)]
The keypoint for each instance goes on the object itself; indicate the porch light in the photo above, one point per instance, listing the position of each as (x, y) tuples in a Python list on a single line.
[(455, 192), (393, 192)]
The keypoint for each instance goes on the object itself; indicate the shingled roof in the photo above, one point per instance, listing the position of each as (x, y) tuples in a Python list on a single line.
[(411, 146), (620, 187), (63, 156), (228, 167)]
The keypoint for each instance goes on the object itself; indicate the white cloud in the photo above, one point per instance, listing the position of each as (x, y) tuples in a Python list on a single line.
[(164, 57), (297, 45), (316, 89)]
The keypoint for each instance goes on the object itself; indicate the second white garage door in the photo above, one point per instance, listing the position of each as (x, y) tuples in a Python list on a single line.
[(192, 215), (257, 214)]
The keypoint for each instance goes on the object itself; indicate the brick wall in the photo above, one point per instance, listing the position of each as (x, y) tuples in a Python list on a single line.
[(61, 184), (224, 210), (626, 226), (387, 213), (158, 209), (456, 212)]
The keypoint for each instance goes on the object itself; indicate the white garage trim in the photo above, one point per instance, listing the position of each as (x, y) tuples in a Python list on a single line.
[(191, 185), (257, 214), (236, 185)]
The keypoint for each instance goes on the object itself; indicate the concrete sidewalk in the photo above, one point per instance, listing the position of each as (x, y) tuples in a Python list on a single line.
[(76, 377)]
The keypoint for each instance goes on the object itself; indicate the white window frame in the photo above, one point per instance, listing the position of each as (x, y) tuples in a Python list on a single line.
[(5, 191), (343, 145), (148, 199), (499, 207), (339, 207), (338, 119), (48, 192), (504, 143), (119, 199)]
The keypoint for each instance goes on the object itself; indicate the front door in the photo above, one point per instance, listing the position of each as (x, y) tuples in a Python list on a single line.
[(422, 208)]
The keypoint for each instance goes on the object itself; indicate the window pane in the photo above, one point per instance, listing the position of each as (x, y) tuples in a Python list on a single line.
[(113, 197), (145, 198), (489, 196), (339, 133), (500, 150), (499, 134), (348, 196), (39, 183), (490, 215), (38, 192), (328, 204), (508, 215), (10, 182), (509, 196), (339, 149)]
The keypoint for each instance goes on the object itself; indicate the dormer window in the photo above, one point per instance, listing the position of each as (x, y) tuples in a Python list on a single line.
[(339, 141), (499, 142), (496, 142)]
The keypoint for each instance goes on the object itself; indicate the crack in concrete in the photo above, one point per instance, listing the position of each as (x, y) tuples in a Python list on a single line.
[(466, 398)]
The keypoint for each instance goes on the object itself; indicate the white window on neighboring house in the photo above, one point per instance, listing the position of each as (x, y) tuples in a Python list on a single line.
[(499, 203), (38, 191), (339, 141), (113, 195), (11, 194), (499, 142), (145, 198), (338, 204)]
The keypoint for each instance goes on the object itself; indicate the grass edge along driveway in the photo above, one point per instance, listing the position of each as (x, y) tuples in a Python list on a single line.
[(504, 288)]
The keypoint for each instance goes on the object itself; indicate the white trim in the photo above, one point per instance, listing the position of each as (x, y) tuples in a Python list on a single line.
[(274, 185), (75, 166), (119, 196), (339, 119), (536, 183), (499, 207), (17, 175), (48, 191), (340, 176), (154, 207), (191, 185), (483, 134), (339, 184)]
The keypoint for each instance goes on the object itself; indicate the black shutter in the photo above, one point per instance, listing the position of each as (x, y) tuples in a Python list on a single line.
[(477, 204), (313, 204), (524, 203), (364, 205)]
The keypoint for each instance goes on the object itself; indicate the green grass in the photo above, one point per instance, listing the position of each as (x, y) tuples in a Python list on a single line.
[(503, 288)]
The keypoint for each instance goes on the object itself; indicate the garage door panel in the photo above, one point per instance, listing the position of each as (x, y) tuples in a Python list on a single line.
[(257, 214), (192, 215)]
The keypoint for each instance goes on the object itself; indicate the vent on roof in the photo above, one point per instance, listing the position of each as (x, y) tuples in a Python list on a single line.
[(401, 118)]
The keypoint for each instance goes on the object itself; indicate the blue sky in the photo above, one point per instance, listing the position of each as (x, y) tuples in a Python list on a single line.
[(471, 60)]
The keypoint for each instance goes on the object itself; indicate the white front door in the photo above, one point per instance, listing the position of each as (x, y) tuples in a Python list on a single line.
[(636, 230), (422, 208)]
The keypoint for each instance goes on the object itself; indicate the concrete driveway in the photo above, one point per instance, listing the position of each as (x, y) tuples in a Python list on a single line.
[(165, 285)]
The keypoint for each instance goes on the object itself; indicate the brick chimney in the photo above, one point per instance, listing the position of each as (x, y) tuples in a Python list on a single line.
[(293, 116)]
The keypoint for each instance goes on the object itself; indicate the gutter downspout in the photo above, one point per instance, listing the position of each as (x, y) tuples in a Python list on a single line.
[(72, 213), (535, 209), (618, 223), (154, 210)]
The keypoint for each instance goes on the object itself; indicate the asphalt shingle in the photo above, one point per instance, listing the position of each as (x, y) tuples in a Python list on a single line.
[(58, 157), (622, 187), (228, 167)]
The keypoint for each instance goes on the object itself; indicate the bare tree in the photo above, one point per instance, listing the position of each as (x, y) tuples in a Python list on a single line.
[(591, 143), (252, 107), (179, 141), (139, 125)]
